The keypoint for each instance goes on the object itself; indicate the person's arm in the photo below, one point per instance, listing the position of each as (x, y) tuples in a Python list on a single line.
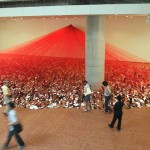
[(14, 123)]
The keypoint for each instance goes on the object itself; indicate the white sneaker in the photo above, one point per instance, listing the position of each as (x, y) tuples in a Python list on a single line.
[(21, 147), (85, 110)]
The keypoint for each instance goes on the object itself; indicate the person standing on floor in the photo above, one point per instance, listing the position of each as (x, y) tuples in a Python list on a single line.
[(13, 121), (107, 94), (117, 113), (87, 94), (6, 94)]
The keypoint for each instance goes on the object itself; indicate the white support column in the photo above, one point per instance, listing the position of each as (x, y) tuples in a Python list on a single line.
[(95, 50)]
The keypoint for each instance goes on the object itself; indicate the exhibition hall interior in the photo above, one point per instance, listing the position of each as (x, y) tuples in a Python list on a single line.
[(48, 48)]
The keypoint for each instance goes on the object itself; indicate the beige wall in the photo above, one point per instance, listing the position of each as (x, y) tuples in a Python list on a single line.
[(130, 34), (19, 31)]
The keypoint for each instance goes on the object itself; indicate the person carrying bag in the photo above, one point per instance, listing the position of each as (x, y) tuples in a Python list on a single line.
[(15, 127), (18, 127)]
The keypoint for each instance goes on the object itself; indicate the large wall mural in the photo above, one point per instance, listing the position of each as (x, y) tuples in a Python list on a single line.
[(51, 68)]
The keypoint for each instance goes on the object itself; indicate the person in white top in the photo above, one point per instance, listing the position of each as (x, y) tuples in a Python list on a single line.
[(107, 94), (87, 93), (7, 94), (13, 120)]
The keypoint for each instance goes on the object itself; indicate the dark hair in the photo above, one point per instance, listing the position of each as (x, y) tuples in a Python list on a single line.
[(85, 81), (105, 83), (6, 81), (11, 105), (119, 97)]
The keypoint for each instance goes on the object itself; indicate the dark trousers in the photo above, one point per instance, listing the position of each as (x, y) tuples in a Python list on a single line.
[(119, 117), (107, 99), (17, 136)]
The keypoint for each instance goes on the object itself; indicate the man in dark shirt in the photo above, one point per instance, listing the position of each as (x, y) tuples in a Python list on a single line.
[(117, 113)]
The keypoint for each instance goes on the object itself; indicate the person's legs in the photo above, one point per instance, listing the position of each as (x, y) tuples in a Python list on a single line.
[(109, 108), (10, 134), (107, 98), (113, 121), (87, 102), (88, 105), (85, 107), (119, 122), (19, 139)]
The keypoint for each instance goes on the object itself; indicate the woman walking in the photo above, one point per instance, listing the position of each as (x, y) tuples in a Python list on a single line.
[(13, 127)]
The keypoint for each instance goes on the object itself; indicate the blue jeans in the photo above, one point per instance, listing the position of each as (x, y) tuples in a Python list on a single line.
[(107, 99), (87, 98)]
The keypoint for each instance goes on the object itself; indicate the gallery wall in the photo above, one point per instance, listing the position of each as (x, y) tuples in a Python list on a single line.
[(130, 33)]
